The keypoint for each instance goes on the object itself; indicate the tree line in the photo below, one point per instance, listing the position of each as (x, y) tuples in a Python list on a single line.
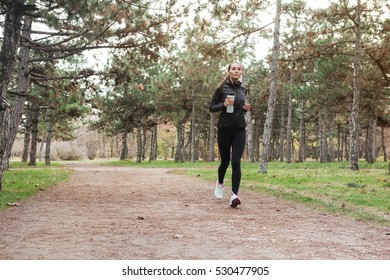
[(322, 92)]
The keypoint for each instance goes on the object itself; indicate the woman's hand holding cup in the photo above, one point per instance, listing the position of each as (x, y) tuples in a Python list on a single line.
[(229, 100)]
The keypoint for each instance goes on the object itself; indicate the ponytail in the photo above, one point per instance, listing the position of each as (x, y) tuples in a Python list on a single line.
[(223, 81)]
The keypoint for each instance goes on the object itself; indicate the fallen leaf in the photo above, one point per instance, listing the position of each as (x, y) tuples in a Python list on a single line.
[(13, 204)]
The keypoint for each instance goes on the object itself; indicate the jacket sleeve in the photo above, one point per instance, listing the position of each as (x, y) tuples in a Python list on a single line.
[(216, 103)]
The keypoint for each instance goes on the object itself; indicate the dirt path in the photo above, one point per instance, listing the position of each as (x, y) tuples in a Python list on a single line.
[(134, 213)]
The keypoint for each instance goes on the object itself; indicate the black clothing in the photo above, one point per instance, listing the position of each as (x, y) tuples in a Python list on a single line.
[(229, 120), (234, 138), (231, 130)]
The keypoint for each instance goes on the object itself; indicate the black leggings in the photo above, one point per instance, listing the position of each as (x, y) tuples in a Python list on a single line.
[(234, 138)]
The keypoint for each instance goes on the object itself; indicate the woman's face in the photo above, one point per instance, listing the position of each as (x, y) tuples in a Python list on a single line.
[(235, 71)]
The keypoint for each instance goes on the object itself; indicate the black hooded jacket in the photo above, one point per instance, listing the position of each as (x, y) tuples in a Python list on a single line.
[(229, 120)]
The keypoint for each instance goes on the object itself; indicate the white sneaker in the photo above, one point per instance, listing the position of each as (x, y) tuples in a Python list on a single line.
[(234, 200), (218, 190)]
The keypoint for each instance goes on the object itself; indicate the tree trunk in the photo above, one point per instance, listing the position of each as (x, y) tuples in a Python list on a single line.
[(124, 148), (282, 130), (34, 135), (23, 86), (139, 145), (355, 123), (383, 143), (371, 137), (144, 143), (302, 144), (186, 153), (211, 139), (10, 43), (289, 127), (317, 148), (42, 143), (322, 133), (331, 136), (346, 151), (204, 153), (48, 143), (250, 132), (256, 136), (193, 140), (180, 140), (153, 141), (339, 143), (26, 138), (272, 92), (197, 143)]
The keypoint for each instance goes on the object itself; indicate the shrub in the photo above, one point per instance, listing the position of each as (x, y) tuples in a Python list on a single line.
[(69, 151)]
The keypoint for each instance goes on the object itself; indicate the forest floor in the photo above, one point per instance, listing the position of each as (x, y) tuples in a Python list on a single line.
[(123, 213)]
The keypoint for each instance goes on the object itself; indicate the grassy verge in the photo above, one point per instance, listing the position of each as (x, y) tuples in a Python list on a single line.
[(332, 187), (22, 181)]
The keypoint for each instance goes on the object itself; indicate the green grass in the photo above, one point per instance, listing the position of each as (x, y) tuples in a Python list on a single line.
[(22, 181), (18, 164), (320, 185)]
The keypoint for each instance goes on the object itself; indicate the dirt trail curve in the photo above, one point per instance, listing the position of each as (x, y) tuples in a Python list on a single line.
[(135, 213)]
